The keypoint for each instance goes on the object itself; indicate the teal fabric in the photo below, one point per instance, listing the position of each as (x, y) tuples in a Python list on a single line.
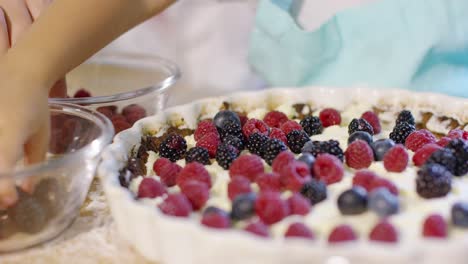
[(412, 44)]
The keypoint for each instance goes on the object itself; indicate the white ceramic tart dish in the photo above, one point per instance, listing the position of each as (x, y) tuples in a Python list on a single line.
[(167, 239)]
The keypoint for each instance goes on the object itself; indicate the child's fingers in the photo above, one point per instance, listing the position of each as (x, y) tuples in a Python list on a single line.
[(36, 7), (59, 90), (35, 151), (4, 39), (17, 17), (8, 194), (8, 158)]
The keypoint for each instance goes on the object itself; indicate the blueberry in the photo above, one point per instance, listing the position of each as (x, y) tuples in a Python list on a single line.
[(308, 159), (460, 214), (243, 206), (225, 116), (353, 201), (214, 210), (380, 147), (383, 202), (362, 135)]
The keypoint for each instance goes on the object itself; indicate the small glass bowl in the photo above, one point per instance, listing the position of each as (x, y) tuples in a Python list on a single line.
[(78, 136), (117, 80)]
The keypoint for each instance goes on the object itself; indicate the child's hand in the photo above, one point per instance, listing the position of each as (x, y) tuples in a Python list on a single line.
[(24, 117)]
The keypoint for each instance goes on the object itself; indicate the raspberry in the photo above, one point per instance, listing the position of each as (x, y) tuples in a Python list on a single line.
[(204, 128), (400, 132), (270, 208), (359, 155), (275, 119), (418, 139), (82, 93), (297, 140), (359, 124), (384, 183), (299, 230), (196, 192), (294, 176), (328, 168), (373, 120), (249, 166), (342, 233), (243, 119), (364, 178), (176, 204), (255, 126), (258, 228), (433, 181), (312, 125), (282, 160), (198, 154), (405, 116), (159, 164), (216, 220), (173, 147), (238, 185), (289, 126), (210, 142), (443, 141), (194, 171), (298, 205), (150, 188), (458, 133), (422, 154), (268, 181), (384, 232), (234, 141), (271, 149), (225, 155), (167, 172), (118, 117), (256, 143), (315, 191), (120, 126), (396, 159), (435, 227), (330, 117), (278, 134), (133, 113), (108, 110)]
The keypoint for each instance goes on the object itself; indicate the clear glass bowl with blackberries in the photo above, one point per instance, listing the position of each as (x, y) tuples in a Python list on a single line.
[(125, 87), (62, 181)]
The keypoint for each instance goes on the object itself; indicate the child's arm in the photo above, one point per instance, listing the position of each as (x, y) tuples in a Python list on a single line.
[(65, 35)]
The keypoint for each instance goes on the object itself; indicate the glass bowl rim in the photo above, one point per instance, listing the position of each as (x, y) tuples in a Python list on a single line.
[(168, 65), (90, 150)]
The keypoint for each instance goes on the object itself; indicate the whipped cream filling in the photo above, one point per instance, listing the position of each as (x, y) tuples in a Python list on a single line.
[(326, 215)]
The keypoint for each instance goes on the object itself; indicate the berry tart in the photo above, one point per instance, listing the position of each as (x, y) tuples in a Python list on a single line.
[(296, 175)]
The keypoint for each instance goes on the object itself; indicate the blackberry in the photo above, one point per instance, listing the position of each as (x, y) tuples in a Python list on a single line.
[(297, 140), (400, 132), (230, 127), (198, 154), (235, 141), (315, 191), (459, 149), (360, 124), (256, 143), (28, 214), (272, 148), (312, 125), (318, 147), (225, 155), (444, 157), (433, 181), (173, 147), (405, 116)]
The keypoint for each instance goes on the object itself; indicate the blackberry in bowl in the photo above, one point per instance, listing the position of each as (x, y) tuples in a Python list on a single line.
[(78, 136)]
